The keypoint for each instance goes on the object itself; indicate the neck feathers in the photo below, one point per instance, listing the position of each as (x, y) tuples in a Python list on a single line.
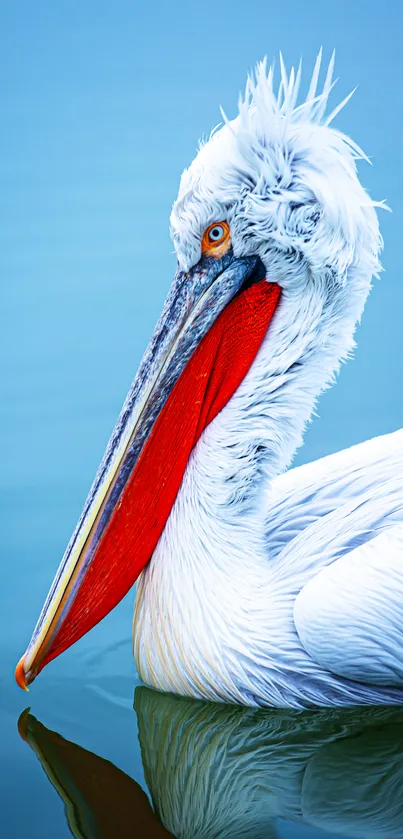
[(255, 436)]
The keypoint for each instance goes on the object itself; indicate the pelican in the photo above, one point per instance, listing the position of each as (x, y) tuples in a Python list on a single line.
[(257, 584)]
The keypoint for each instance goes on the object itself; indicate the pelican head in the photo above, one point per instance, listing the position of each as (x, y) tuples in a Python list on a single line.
[(276, 242)]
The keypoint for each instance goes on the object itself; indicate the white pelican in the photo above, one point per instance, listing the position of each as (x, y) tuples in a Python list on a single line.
[(256, 585)]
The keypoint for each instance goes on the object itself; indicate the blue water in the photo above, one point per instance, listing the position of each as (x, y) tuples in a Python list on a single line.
[(101, 109)]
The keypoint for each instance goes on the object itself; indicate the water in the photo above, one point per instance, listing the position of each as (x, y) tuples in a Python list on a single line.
[(100, 113), (225, 771)]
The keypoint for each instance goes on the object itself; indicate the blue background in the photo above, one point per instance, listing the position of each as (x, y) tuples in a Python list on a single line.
[(102, 105)]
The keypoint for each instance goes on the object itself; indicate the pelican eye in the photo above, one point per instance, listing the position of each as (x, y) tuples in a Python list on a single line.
[(216, 233), (216, 239)]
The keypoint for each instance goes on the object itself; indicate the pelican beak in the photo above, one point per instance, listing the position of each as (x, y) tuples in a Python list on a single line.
[(211, 327)]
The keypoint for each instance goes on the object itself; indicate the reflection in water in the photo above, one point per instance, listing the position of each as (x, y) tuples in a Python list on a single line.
[(101, 802), (225, 772)]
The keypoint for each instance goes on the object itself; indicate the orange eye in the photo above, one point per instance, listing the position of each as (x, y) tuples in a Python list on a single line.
[(216, 239)]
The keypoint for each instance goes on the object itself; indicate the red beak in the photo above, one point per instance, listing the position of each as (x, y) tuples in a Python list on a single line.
[(196, 360)]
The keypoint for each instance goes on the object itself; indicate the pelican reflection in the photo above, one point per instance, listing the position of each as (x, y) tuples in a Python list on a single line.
[(227, 772)]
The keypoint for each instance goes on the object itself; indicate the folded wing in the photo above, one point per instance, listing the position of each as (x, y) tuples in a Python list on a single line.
[(349, 616)]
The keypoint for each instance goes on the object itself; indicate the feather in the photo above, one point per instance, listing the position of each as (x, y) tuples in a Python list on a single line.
[(315, 76), (338, 108)]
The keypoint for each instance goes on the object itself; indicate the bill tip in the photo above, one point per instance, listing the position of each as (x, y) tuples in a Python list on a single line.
[(20, 675)]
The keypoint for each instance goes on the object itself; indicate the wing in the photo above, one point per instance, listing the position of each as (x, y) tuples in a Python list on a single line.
[(332, 486), (349, 617), (335, 529)]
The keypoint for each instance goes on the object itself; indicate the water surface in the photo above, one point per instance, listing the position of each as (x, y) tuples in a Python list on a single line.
[(216, 770), (101, 110)]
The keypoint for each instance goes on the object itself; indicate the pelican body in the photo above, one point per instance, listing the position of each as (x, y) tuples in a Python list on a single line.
[(256, 585)]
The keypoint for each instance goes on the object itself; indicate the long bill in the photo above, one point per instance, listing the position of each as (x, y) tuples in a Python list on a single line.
[(212, 325)]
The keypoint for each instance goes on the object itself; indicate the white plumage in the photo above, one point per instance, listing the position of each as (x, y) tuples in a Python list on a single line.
[(268, 588)]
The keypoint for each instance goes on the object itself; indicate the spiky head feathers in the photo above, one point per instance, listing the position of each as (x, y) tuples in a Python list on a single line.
[(286, 182)]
